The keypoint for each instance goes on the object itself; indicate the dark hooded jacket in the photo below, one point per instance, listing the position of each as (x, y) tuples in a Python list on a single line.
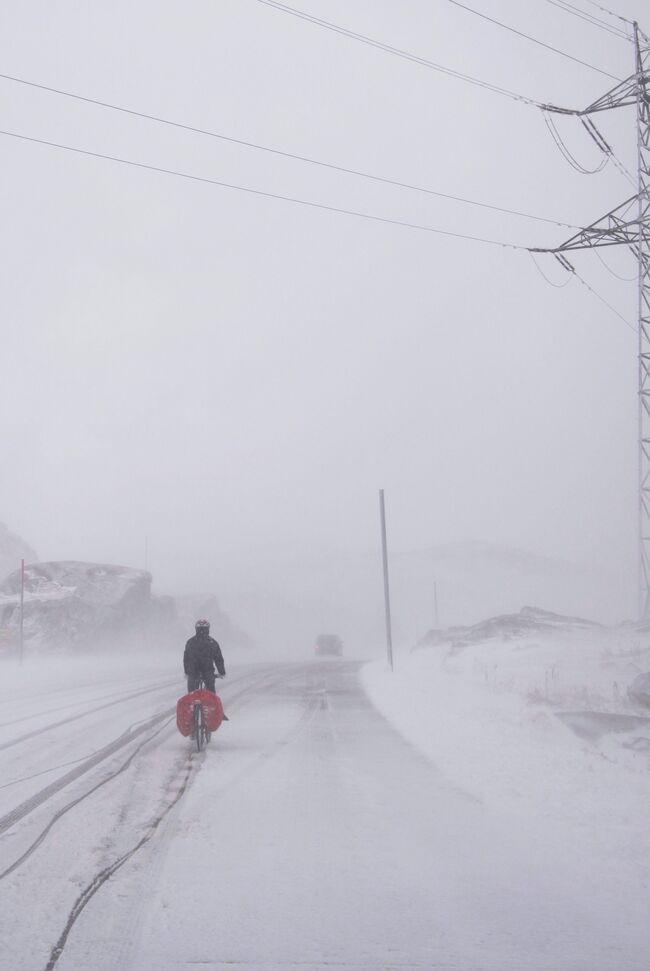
[(200, 653)]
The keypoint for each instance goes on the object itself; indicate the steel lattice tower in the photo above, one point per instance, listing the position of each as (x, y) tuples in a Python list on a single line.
[(629, 224)]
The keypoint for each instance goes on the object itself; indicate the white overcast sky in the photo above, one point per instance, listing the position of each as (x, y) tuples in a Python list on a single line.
[(222, 371)]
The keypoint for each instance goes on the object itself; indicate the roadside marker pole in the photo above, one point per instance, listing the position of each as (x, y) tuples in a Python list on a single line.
[(389, 633), (435, 602), (22, 608)]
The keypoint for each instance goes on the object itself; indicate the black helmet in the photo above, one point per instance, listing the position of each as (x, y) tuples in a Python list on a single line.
[(202, 627)]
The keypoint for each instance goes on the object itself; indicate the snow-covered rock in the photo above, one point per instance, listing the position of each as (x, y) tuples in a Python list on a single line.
[(529, 621), (13, 549), (86, 606)]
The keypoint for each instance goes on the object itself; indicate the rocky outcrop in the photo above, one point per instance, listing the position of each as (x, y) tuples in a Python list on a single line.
[(87, 606)]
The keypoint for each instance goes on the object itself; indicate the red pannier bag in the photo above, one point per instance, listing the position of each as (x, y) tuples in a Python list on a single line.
[(212, 711)]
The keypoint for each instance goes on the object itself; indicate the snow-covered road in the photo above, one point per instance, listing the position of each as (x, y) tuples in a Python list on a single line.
[(309, 835)]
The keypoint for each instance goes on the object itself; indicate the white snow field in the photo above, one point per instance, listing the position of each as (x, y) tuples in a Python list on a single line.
[(481, 835)]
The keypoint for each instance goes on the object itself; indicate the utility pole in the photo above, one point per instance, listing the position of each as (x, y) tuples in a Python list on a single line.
[(384, 547), (435, 603), (628, 225)]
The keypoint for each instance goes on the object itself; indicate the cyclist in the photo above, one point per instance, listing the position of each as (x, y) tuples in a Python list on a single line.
[(202, 652)]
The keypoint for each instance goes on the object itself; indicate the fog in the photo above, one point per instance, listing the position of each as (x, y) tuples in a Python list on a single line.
[(215, 384)]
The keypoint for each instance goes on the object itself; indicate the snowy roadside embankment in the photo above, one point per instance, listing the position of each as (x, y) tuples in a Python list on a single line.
[(490, 715)]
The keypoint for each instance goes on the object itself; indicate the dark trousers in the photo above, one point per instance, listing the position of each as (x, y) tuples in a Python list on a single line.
[(194, 679)]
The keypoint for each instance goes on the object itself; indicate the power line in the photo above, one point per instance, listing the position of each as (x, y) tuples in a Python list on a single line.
[(625, 279), (276, 151), (590, 127), (602, 300), (302, 15), (556, 286), (604, 147), (398, 52), (261, 192), (571, 270), (567, 155), (534, 40), (616, 16), (588, 18)]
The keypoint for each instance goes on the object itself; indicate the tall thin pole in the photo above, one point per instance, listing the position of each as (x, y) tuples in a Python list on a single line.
[(22, 608), (643, 258), (642, 578), (435, 602), (384, 547)]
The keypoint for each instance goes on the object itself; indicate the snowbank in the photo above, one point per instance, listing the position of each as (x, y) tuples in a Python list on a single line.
[(535, 723)]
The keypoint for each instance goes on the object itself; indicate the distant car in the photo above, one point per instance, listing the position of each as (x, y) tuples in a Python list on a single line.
[(330, 644)]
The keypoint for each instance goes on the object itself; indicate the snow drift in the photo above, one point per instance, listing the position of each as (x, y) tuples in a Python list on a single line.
[(543, 719)]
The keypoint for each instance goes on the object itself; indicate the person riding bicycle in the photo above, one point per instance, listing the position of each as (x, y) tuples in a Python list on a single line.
[(202, 652)]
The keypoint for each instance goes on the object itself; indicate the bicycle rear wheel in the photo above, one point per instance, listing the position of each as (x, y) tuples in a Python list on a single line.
[(199, 727)]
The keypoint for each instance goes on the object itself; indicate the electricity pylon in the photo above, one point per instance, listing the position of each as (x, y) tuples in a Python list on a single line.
[(629, 225)]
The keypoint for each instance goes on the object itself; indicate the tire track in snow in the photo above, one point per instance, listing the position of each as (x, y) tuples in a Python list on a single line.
[(19, 812), (76, 704), (85, 714), (29, 805), (100, 879), (53, 768), (267, 680), (75, 802)]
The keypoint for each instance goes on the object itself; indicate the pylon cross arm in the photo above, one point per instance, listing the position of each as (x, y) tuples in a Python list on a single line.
[(612, 229)]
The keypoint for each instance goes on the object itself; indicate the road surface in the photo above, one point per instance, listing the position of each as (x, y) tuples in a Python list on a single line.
[(308, 835)]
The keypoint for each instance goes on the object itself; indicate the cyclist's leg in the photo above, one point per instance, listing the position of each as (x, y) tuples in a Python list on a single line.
[(207, 672), (192, 682)]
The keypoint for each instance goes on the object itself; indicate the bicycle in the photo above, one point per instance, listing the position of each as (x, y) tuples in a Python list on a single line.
[(201, 733)]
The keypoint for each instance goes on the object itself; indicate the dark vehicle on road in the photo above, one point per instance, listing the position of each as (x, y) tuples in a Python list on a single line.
[(329, 644)]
